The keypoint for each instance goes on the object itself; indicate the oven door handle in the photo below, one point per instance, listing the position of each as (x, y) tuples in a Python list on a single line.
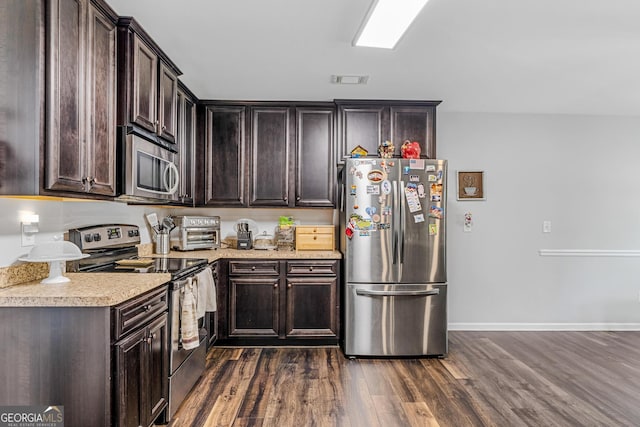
[(363, 292)]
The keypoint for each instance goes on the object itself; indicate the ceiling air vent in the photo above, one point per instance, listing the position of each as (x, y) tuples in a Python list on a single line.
[(349, 80)]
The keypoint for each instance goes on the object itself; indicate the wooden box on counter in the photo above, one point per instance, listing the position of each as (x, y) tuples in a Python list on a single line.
[(315, 237)]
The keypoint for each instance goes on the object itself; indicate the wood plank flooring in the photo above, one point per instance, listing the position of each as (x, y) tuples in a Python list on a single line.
[(488, 379)]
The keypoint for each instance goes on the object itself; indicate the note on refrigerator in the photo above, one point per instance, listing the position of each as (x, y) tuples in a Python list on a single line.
[(412, 200)]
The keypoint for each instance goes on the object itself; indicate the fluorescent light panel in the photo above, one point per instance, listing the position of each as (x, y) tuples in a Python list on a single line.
[(387, 21)]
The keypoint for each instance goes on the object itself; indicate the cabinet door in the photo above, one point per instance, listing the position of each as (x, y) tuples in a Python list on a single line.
[(311, 307), (65, 148), (167, 116), (315, 165), (254, 307), (144, 99), (364, 125), (225, 156), (156, 394), (185, 137), (414, 123), (101, 105), (130, 387), (270, 156)]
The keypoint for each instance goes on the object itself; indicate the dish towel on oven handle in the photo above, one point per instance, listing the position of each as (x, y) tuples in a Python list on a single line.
[(188, 319), (206, 292)]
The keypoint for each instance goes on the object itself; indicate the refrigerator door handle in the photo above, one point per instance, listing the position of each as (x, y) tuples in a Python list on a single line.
[(396, 222), (363, 292), (402, 221)]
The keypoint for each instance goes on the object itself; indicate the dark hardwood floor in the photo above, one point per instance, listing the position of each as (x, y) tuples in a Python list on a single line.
[(488, 379)]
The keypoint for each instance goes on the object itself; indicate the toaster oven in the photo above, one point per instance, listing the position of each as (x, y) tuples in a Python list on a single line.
[(195, 232)]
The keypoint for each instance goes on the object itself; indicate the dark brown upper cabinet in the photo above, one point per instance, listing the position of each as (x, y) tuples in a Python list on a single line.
[(148, 84), (186, 141), (315, 152), (269, 154), (369, 122), (80, 97), (225, 155), (271, 131)]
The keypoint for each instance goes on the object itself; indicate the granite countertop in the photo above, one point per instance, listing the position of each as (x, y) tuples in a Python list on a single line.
[(108, 289), (84, 290), (215, 254)]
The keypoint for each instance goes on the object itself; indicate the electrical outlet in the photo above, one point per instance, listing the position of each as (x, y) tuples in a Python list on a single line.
[(546, 226), (28, 239)]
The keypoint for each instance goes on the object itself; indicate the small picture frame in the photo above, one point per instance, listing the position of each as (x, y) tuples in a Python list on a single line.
[(471, 185)]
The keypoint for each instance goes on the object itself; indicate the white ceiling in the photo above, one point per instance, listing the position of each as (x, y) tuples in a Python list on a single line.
[(533, 56)]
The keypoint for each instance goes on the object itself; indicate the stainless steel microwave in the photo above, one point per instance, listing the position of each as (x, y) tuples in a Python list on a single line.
[(150, 171)]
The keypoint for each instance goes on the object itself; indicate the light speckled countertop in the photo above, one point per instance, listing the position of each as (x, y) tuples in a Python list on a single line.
[(108, 289), (215, 254), (84, 290)]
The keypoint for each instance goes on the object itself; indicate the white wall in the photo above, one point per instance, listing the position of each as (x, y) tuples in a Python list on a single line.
[(580, 172)]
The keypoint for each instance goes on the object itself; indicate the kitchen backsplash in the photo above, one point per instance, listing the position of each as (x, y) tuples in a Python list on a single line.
[(56, 217)]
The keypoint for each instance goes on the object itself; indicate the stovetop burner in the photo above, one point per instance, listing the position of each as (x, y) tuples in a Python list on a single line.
[(155, 265), (112, 249)]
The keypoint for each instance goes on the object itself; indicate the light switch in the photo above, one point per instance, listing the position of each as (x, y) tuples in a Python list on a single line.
[(546, 226)]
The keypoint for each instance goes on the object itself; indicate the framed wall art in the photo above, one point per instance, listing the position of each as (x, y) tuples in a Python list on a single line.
[(471, 185)]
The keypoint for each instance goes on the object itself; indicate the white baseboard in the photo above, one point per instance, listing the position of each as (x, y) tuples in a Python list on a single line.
[(544, 326)]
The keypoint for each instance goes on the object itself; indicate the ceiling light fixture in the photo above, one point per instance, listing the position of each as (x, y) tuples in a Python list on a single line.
[(386, 22)]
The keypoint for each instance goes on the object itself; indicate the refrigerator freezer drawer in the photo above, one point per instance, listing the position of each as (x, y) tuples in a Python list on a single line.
[(395, 320)]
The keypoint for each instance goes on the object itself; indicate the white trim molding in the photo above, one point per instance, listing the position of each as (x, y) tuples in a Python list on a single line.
[(589, 252), (544, 326)]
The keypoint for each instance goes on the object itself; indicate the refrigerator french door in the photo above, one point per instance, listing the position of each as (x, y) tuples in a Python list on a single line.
[(393, 228)]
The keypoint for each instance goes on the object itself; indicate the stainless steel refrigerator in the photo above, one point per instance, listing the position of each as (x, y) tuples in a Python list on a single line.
[(393, 238)]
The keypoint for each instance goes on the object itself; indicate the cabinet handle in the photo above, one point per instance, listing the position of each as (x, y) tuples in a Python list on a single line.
[(253, 268), (298, 199), (289, 286), (92, 181), (311, 268), (147, 307), (164, 127), (150, 338), (275, 285), (286, 198), (315, 237)]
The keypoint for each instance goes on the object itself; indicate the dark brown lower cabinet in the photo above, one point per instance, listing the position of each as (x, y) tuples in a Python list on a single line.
[(279, 302), (142, 366), (106, 365), (254, 309), (309, 302)]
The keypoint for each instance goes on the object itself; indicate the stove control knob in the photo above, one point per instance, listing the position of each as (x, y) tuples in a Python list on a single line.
[(88, 238), (96, 237), (133, 233)]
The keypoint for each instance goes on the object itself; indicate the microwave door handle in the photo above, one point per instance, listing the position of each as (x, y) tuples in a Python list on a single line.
[(171, 168)]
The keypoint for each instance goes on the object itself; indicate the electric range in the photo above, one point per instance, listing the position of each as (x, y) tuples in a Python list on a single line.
[(113, 248)]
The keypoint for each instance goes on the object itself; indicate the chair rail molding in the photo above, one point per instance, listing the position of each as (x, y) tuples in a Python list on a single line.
[(589, 252)]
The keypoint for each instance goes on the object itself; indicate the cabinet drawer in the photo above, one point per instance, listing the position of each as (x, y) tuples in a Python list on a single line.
[(310, 242), (314, 229), (267, 268), (312, 268), (136, 312)]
